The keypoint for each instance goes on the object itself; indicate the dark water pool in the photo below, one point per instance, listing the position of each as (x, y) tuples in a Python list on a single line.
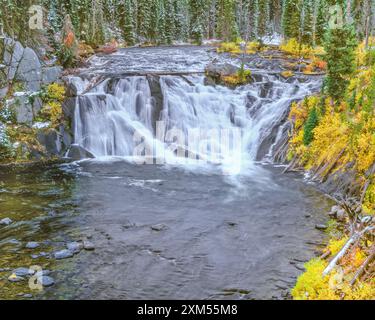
[(158, 233)]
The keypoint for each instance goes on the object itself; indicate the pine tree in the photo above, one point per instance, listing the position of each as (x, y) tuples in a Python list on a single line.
[(251, 14), (127, 22), (275, 15), (152, 32), (226, 21), (169, 21), (196, 20), (263, 17), (143, 18), (308, 22), (95, 32), (321, 22), (291, 21), (179, 20), (340, 47), (162, 23), (311, 123)]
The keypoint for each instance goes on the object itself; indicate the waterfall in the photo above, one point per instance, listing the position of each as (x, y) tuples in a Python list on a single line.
[(118, 115)]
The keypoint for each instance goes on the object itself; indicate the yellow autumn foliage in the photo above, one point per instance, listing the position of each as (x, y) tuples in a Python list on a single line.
[(235, 47), (335, 245), (294, 48), (55, 92), (287, 74), (53, 96), (330, 139), (345, 133), (312, 285), (369, 200), (362, 52)]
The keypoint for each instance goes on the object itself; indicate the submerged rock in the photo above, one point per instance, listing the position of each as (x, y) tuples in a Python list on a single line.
[(75, 247), (40, 255), (321, 227), (89, 246), (23, 272), (63, 254), (14, 278), (5, 222), (43, 273), (32, 245), (46, 281), (159, 227)]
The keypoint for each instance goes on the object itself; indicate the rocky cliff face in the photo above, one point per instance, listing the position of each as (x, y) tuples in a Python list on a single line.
[(23, 76)]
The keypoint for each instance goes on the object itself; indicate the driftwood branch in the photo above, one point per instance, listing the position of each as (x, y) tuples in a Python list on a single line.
[(324, 171), (353, 239), (363, 267), (325, 255), (292, 164)]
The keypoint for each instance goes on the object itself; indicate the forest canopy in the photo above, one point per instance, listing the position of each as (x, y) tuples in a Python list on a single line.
[(168, 21)]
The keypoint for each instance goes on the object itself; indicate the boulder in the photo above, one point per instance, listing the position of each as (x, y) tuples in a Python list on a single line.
[(159, 227), (14, 278), (50, 139), (77, 152), (32, 245), (30, 70), (63, 254), (220, 70), (21, 108), (6, 222), (46, 281), (37, 106), (51, 74), (23, 272), (321, 227), (3, 92), (66, 136), (88, 246), (75, 247), (68, 107), (3, 81), (157, 99), (12, 56)]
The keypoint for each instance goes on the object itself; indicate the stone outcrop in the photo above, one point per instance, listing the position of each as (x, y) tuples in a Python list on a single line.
[(23, 64), (77, 152), (216, 71), (26, 73)]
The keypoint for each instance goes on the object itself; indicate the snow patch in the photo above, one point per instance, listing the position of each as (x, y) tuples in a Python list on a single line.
[(273, 40)]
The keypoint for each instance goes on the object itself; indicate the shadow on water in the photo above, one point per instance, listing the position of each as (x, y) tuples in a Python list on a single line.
[(158, 232)]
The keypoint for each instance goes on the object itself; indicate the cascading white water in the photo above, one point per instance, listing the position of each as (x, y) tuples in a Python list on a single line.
[(110, 116)]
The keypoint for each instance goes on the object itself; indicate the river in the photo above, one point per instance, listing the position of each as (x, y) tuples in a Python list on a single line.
[(237, 228)]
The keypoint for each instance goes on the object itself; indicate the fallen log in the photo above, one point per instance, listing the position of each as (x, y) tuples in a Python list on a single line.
[(353, 239)]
